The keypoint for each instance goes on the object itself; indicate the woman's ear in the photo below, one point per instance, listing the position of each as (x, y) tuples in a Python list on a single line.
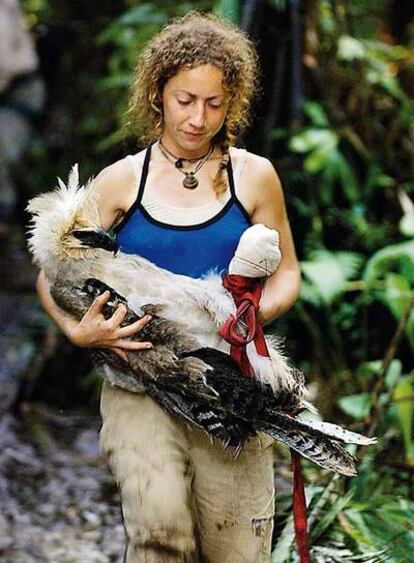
[(156, 101)]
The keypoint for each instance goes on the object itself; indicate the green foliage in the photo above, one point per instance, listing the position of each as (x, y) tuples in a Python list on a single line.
[(229, 9), (348, 169), (399, 257), (357, 406), (403, 398), (326, 273), (366, 523), (323, 156), (394, 265)]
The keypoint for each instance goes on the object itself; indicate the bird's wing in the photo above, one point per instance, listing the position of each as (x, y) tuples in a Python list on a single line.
[(197, 413)]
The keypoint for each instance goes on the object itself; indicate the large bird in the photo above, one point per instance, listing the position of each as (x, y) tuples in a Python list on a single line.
[(201, 385), (68, 243)]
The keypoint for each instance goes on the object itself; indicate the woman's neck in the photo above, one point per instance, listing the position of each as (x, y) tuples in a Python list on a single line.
[(183, 152)]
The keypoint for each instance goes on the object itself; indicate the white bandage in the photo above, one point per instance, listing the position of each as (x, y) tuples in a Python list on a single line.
[(257, 254)]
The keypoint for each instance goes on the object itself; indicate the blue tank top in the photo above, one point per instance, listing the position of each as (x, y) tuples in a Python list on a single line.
[(193, 250)]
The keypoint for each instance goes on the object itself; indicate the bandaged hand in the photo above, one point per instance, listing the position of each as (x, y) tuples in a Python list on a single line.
[(257, 254)]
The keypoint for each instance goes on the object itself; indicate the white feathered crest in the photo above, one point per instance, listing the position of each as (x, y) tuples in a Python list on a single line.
[(56, 214)]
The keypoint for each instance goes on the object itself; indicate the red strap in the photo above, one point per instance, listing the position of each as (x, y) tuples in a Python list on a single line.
[(246, 294), (299, 509)]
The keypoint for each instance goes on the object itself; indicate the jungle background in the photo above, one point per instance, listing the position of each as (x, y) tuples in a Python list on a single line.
[(336, 117)]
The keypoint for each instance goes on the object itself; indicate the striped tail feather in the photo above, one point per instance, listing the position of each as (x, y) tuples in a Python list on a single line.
[(338, 433), (309, 442)]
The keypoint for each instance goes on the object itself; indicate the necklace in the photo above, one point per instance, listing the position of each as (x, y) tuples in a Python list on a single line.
[(190, 182), (180, 159)]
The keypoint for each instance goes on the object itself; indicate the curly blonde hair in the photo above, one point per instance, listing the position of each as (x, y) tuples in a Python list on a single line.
[(189, 41)]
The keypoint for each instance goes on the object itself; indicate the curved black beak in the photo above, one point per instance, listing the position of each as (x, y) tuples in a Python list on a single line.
[(97, 239)]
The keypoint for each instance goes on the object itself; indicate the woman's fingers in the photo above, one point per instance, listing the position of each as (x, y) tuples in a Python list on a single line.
[(130, 344), (119, 352), (131, 329), (98, 303), (118, 316), (97, 332), (119, 347)]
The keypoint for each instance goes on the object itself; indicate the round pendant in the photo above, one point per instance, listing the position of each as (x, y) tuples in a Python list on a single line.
[(190, 182)]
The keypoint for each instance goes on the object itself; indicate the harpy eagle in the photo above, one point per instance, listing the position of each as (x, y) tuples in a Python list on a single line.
[(183, 372), (68, 243)]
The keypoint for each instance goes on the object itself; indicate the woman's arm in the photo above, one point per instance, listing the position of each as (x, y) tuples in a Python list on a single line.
[(94, 330), (281, 288)]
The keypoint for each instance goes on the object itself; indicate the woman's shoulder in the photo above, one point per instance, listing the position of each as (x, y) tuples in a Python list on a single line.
[(253, 161), (256, 168), (121, 174), (116, 173), (115, 186), (259, 183), (258, 162), (122, 170)]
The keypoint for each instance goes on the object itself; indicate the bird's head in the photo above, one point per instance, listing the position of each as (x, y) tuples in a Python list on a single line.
[(65, 224)]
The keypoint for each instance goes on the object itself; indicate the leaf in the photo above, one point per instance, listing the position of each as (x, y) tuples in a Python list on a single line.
[(358, 406), (146, 14), (316, 113), (406, 225), (350, 48), (360, 531), (314, 139), (391, 256), (278, 4), (229, 9), (328, 271), (396, 297), (397, 293), (368, 370), (393, 373), (310, 294), (317, 160), (341, 502), (283, 548), (286, 539), (405, 409), (348, 178)]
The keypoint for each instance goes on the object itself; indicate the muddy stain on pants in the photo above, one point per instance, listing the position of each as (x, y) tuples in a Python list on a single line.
[(183, 498)]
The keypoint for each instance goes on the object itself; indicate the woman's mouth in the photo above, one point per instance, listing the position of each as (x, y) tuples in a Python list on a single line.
[(193, 136)]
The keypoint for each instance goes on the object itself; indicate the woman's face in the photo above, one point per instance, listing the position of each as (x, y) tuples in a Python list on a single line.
[(195, 106)]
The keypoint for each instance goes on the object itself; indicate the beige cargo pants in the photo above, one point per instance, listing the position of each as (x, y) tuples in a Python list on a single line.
[(184, 499)]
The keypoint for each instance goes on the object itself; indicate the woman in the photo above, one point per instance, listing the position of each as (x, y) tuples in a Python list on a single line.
[(183, 203)]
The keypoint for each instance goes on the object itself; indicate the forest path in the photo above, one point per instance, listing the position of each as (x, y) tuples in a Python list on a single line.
[(58, 500)]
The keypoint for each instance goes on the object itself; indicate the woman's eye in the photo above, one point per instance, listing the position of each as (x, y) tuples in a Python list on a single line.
[(215, 106), (184, 102)]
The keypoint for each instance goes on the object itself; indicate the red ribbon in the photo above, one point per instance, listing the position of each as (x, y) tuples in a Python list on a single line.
[(246, 294), (299, 509)]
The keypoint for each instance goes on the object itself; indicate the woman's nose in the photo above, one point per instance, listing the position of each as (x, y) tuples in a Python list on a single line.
[(198, 116)]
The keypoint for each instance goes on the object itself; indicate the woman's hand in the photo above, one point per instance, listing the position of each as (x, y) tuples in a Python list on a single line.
[(95, 331)]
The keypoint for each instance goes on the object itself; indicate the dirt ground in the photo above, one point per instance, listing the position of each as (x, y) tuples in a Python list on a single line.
[(58, 500)]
